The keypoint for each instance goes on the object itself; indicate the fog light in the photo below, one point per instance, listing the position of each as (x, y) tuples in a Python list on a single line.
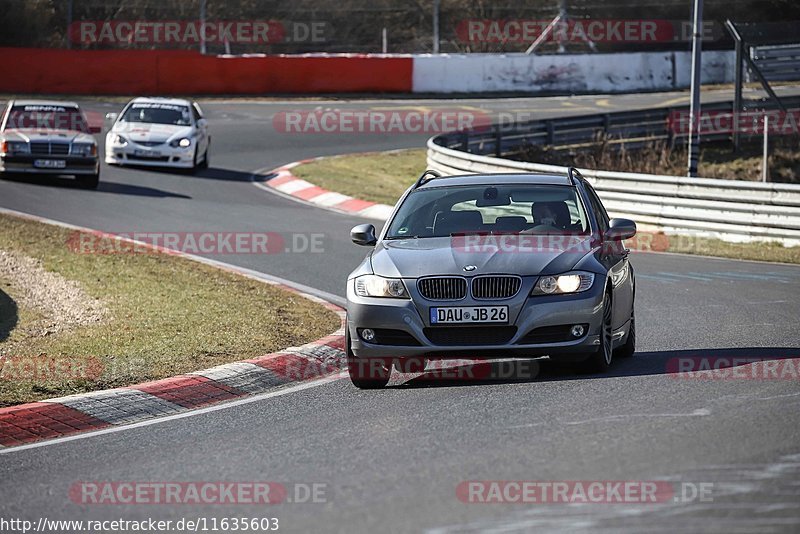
[(577, 331), (368, 335)]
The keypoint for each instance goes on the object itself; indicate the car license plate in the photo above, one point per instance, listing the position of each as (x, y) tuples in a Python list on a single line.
[(50, 163), (470, 315), (147, 153)]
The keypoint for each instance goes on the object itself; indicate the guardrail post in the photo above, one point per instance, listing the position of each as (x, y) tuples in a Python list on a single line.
[(465, 141), (737, 95), (765, 162), (498, 140), (551, 133)]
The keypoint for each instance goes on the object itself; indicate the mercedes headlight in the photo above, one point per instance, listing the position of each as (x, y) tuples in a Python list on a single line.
[(574, 282), (182, 143), (377, 286), (84, 149), (17, 147)]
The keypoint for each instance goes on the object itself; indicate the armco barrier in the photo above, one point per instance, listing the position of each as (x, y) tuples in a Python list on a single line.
[(729, 210), (162, 72)]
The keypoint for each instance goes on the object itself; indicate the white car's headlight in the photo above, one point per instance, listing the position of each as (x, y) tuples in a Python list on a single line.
[(377, 286), (183, 143), (84, 149), (574, 282)]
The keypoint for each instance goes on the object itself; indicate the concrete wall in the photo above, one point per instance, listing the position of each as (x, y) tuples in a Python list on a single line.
[(568, 73)]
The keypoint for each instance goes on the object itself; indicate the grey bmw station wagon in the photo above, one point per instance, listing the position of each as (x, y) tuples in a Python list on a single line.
[(491, 266)]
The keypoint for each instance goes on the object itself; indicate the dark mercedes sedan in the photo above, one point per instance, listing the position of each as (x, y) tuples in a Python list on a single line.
[(491, 266)]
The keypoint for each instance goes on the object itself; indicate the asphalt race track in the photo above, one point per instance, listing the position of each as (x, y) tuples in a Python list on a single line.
[(392, 460)]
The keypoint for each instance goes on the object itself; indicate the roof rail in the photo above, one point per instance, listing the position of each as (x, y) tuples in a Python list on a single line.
[(422, 178), (574, 174)]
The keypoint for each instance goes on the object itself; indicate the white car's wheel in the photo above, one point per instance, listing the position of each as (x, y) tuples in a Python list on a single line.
[(204, 164)]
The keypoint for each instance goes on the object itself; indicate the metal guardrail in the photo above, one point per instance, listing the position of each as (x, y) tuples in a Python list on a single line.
[(727, 209), (778, 63), (633, 129)]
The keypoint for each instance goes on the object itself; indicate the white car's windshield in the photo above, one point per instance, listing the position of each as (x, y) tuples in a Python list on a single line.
[(506, 209), (158, 113)]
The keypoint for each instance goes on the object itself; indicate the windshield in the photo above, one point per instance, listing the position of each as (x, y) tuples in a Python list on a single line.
[(500, 209), (157, 113), (38, 117)]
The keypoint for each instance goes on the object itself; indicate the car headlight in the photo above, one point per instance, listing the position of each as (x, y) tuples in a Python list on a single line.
[(119, 140), (183, 142), (84, 149), (574, 282), (16, 147), (377, 286)]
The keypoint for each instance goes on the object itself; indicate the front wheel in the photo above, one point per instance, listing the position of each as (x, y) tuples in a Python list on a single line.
[(365, 373), (629, 348), (600, 361), (90, 181), (204, 163)]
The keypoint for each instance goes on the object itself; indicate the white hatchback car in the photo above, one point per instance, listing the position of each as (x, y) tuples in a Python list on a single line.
[(158, 132)]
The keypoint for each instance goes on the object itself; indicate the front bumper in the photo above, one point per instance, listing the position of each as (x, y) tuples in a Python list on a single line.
[(527, 314), (162, 155), (24, 164)]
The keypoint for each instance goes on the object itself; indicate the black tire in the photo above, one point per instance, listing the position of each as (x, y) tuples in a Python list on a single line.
[(90, 181), (600, 360), (195, 166), (204, 164), (629, 348), (365, 374)]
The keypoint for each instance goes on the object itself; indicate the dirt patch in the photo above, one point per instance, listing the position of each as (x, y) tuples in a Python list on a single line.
[(58, 304)]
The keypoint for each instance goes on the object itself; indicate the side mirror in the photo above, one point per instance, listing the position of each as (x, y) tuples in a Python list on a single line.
[(364, 235), (620, 229), (202, 123)]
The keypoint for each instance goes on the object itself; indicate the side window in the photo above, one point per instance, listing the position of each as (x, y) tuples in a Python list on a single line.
[(599, 210)]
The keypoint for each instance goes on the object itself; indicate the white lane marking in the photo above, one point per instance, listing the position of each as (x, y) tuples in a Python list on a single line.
[(700, 412), (191, 413)]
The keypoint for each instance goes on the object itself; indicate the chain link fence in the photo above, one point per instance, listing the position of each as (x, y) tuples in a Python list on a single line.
[(374, 26)]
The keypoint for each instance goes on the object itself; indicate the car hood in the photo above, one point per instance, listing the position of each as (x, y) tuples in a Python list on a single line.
[(413, 258), (60, 136), (151, 133)]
